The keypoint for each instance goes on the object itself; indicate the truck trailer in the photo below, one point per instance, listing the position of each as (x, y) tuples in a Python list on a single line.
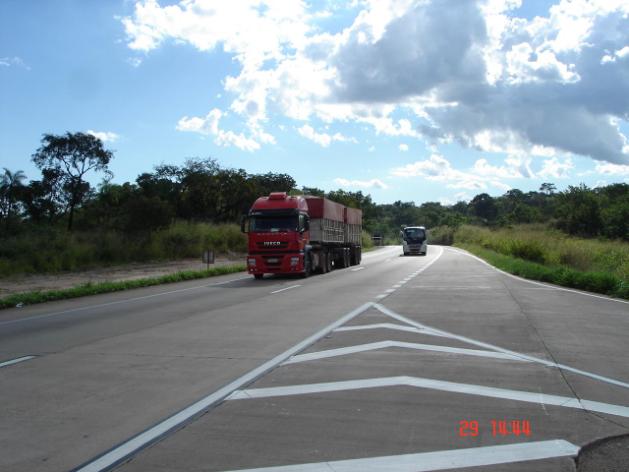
[(301, 235)]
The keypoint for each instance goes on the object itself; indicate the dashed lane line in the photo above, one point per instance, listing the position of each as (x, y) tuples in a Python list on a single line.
[(16, 361), (286, 288)]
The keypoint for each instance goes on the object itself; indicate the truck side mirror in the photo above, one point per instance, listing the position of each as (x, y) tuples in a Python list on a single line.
[(244, 224)]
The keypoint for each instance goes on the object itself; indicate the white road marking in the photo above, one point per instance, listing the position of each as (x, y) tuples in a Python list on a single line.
[(100, 305), (439, 460), (538, 360), (433, 384), (398, 285), (127, 448), (393, 326), (16, 361), (382, 295), (311, 356), (563, 289), (358, 268), (390, 290), (441, 287), (286, 288)]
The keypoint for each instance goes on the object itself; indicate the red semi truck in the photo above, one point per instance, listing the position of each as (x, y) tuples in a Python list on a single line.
[(300, 235)]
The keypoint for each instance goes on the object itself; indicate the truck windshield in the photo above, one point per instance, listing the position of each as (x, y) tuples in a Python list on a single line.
[(273, 223), (414, 233)]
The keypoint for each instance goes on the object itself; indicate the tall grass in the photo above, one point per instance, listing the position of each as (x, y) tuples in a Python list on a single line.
[(538, 252), (55, 250)]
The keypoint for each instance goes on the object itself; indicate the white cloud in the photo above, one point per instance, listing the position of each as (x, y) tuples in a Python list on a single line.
[(438, 168), (13, 61), (104, 136), (464, 71), (373, 183), (612, 169), (403, 147), (134, 61), (322, 139), (556, 168), (209, 125)]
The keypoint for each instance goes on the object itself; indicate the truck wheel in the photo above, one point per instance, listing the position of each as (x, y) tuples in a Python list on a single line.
[(346, 257), (258, 276), (328, 261), (307, 267), (325, 266)]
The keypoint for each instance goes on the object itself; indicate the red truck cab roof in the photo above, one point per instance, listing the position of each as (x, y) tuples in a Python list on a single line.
[(280, 201)]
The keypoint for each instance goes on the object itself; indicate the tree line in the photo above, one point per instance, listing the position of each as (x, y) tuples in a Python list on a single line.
[(201, 190)]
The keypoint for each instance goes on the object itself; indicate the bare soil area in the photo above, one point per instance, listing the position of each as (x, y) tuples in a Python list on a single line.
[(28, 283)]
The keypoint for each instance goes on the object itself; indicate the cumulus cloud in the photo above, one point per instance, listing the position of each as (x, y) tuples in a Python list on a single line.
[(322, 139), (612, 169), (209, 125), (373, 183), (104, 136), (403, 147), (464, 71), (556, 168)]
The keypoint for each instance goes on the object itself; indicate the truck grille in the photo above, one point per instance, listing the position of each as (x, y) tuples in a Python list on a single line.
[(273, 261)]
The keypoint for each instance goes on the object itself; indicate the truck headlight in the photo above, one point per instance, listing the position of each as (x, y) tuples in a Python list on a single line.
[(251, 262), (294, 261)]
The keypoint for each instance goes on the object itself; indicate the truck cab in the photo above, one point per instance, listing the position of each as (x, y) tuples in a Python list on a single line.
[(300, 235), (414, 240)]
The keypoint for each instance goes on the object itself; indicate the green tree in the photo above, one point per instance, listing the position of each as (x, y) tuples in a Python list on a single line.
[(73, 155), (579, 211), (10, 185)]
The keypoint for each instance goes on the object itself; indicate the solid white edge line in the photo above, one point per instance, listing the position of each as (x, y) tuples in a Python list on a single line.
[(538, 360), (439, 460), (117, 302), (286, 288), (16, 360), (555, 287), (342, 351), (130, 446), (433, 384), (358, 268)]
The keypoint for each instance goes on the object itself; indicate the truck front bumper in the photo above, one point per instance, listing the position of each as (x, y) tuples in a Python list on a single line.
[(291, 263)]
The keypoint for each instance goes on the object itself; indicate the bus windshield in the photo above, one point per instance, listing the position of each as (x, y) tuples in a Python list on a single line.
[(414, 233)]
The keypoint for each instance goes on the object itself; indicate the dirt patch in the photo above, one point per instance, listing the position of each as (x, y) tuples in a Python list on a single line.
[(12, 285)]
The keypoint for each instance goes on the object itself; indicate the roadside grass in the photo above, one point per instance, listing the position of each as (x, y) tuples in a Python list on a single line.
[(599, 282), (54, 250), (31, 298), (542, 253)]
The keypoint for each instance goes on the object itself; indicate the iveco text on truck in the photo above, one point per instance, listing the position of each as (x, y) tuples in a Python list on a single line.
[(300, 235)]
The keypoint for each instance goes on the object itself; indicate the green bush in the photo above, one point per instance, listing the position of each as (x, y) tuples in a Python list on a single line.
[(56, 250), (441, 235)]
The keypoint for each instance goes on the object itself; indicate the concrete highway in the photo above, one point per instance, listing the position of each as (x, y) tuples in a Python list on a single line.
[(402, 364)]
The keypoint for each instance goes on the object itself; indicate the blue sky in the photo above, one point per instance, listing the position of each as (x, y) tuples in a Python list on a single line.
[(405, 100)]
